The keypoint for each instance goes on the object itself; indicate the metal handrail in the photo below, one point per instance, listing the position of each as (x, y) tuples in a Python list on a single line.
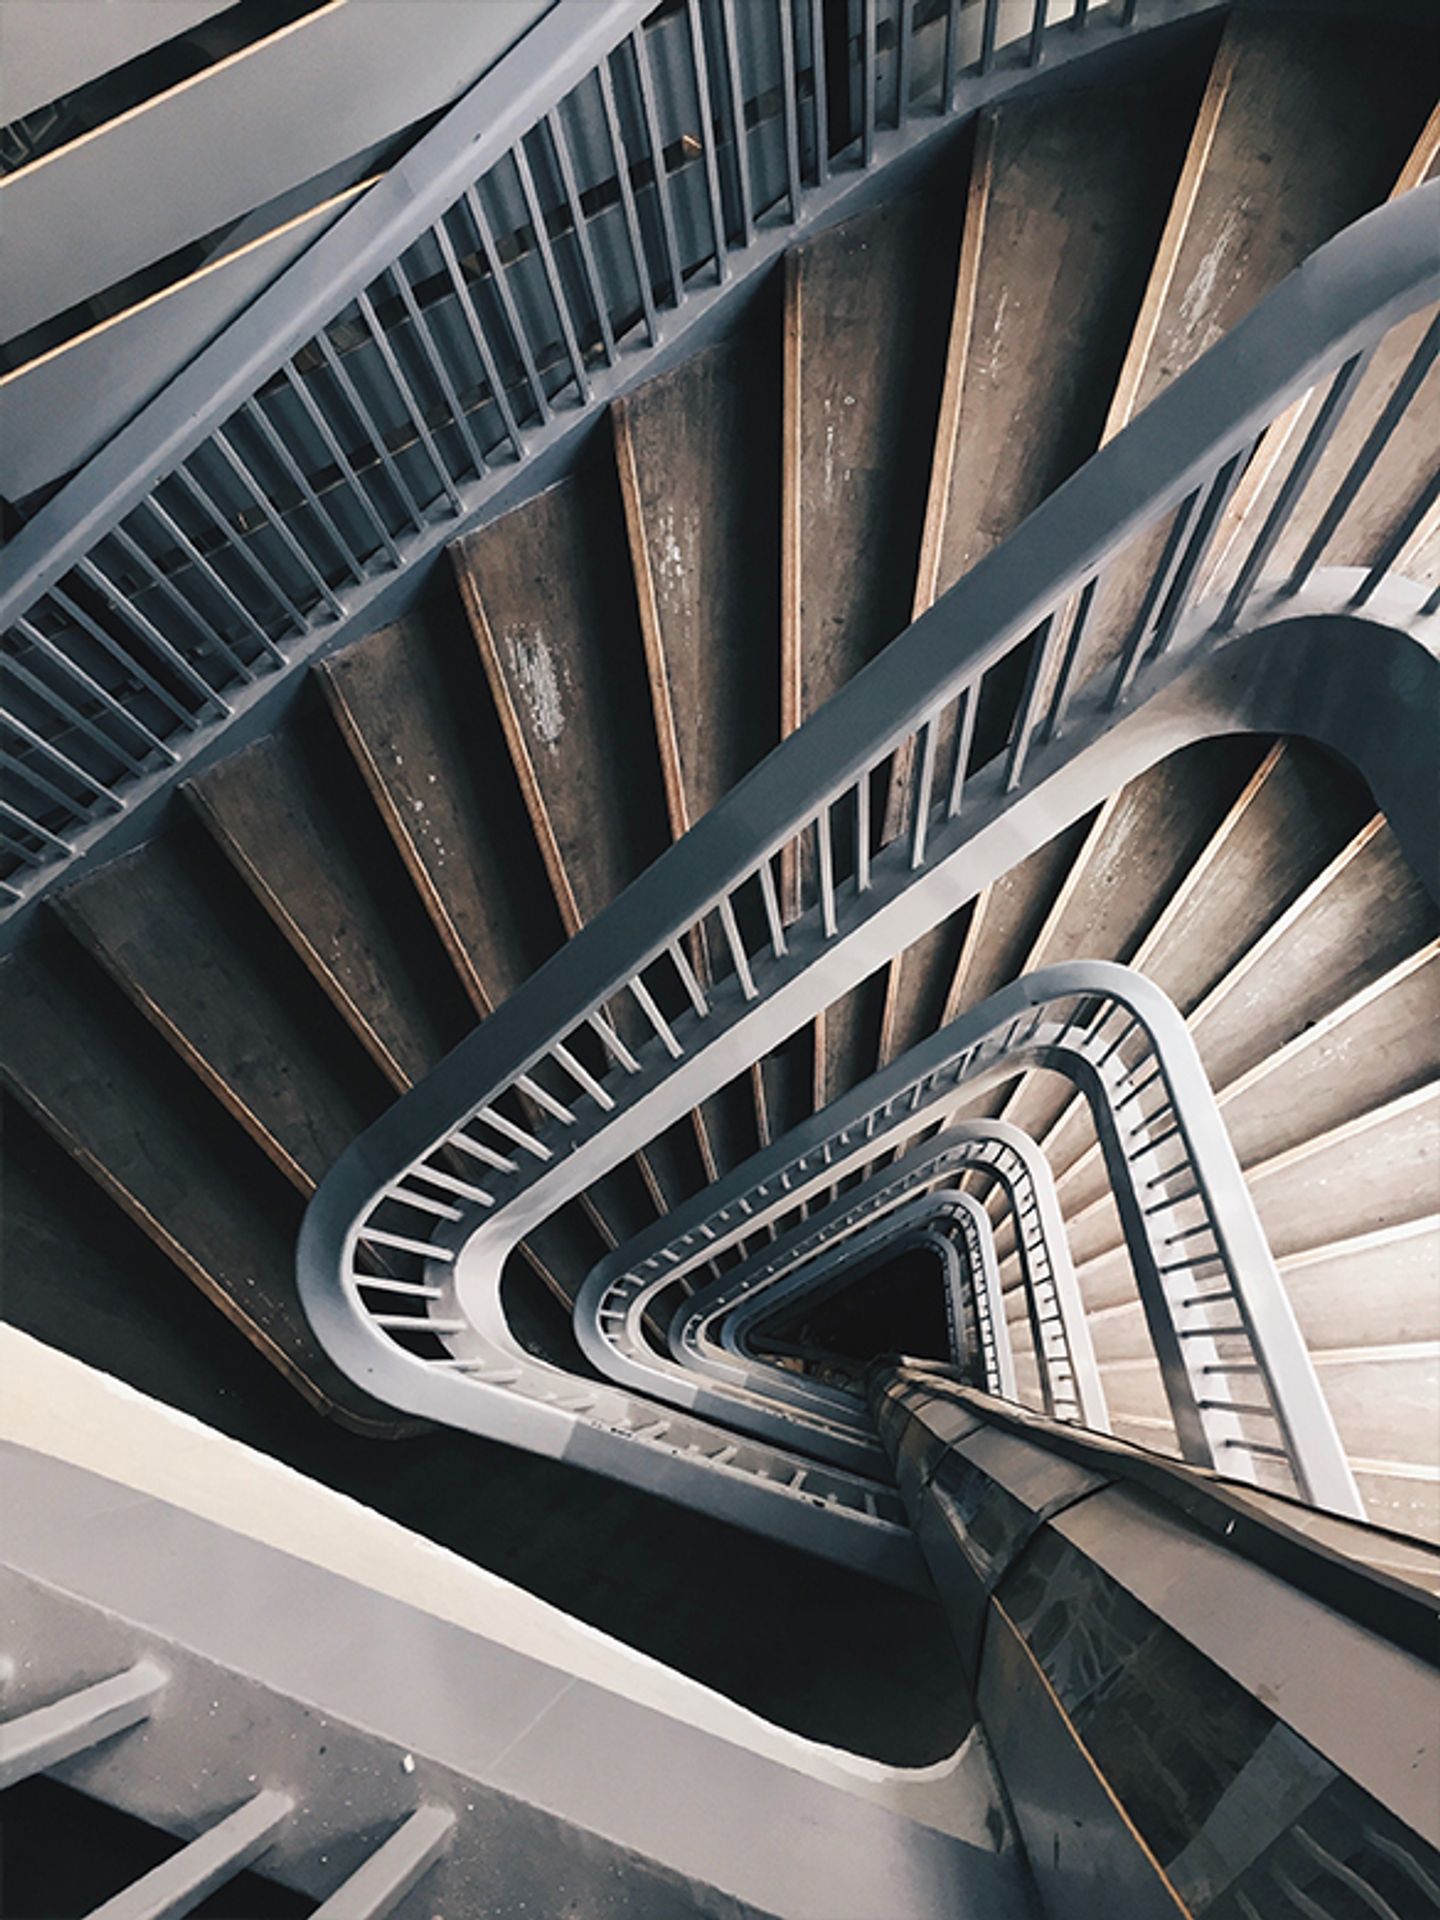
[(581, 204), (558, 1085)]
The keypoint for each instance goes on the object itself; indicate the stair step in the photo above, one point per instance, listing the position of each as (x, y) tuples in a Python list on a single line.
[(1373, 915), (1374, 1172), (412, 705), (1257, 194), (292, 817), (550, 598), (1068, 200), (165, 923), (103, 1084), (698, 453)]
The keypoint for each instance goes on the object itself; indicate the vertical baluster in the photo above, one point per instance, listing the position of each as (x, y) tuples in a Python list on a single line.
[(769, 894), (739, 958), (255, 413), (410, 505), (826, 858), (790, 105), (867, 82), (645, 81), (163, 584), (1217, 498), (1327, 418), (91, 571), (645, 1000), (126, 660), (1155, 592), (1411, 525), (988, 27), (924, 786), (701, 70), (1074, 640), (408, 400), (1037, 32), (638, 257), (1375, 442), (83, 722), (1029, 704), (223, 445), (820, 91), (220, 520), (950, 64), (560, 147), (489, 368), (862, 833), (499, 280), (535, 215), (904, 61), (311, 409), (965, 705), (735, 99), (435, 359)]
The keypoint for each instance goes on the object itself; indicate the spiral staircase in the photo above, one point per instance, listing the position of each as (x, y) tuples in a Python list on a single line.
[(873, 777)]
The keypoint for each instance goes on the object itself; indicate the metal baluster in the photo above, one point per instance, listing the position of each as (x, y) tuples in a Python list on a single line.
[(612, 1043), (904, 61), (490, 371), (736, 945), (201, 496), (1375, 442), (646, 83), (1074, 639), (27, 825), (1154, 595), (40, 1739), (862, 833), (435, 360), (182, 1881), (62, 761), (867, 82), (499, 280), (826, 853), (408, 399), (693, 989), (342, 461), (645, 1001), (988, 28), (379, 1883), (790, 105), (103, 584), (1036, 51), (1029, 703), (638, 258), (260, 420), (701, 67), (768, 893), (920, 822), (89, 727), (551, 270), (261, 497), (130, 665), (560, 146), (967, 702), (1409, 525), (819, 91), (1077, 18), (509, 1131), (410, 505), (735, 95), (1337, 396), (142, 559), (950, 67), (1216, 500)]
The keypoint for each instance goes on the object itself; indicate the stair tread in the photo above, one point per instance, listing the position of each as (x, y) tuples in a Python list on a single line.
[(867, 306), (412, 705), (552, 603), (166, 931), (109, 1090), (698, 451), (292, 831), (1068, 203)]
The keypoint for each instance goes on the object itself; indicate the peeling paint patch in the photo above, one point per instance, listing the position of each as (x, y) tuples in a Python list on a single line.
[(539, 679)]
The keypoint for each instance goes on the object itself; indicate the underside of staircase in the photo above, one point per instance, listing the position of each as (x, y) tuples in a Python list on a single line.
[(202, 1026)]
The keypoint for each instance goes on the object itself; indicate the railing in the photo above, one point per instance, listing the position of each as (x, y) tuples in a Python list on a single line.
[(551, 227), (427, 1331), (622, 1032)]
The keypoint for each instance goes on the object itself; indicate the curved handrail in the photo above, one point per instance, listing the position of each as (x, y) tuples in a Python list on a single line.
[(262, 501), (633, 957)]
